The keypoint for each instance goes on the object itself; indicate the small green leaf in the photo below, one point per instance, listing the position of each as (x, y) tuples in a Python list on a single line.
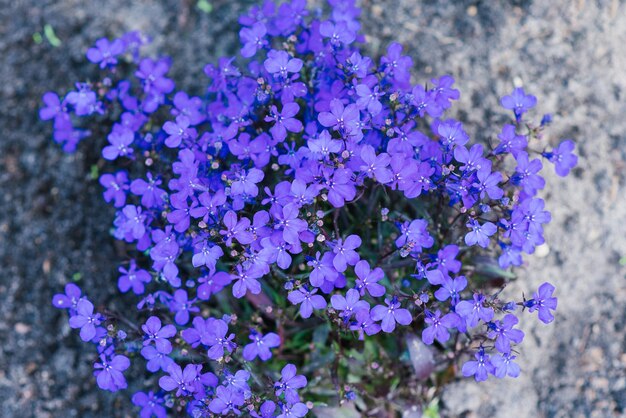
[(76, 277), (94, 172), (432, 410), (622, 261), (48, 32), (37, 38), (205, 6)]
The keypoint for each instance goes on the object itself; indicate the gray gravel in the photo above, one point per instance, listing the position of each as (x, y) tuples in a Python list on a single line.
[(570, 54)]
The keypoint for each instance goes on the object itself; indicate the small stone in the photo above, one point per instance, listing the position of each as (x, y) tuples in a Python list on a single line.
[(21, 328)]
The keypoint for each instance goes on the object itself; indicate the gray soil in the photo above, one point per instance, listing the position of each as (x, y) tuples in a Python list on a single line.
[(570, 54)]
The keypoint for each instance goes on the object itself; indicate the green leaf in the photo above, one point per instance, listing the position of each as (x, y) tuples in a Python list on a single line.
[(48, 32), (205, 6), (37, 38), (432, 410), (94, 172)]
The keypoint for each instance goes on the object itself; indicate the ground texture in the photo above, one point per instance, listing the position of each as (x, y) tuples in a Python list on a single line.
[(570, 54)]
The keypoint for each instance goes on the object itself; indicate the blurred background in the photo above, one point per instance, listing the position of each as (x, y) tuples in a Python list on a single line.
[(569, 53)]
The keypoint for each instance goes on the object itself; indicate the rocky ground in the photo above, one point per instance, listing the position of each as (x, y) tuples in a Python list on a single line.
[(570, 54)]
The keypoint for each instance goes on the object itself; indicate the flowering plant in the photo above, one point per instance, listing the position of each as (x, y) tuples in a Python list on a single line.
[(314, 218)]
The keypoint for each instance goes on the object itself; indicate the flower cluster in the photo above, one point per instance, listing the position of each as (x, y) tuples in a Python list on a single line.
[(314, 199)]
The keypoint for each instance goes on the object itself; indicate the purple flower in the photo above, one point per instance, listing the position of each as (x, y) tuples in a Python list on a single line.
[(200, 333), (84, 100), (474, 311), (504, 333), (368, 279), (133, 277), (152, 73), (488, 182), (182, 306), (369, 99), (53, 106), (480, 368), (289, 382), (479, 234), (340, 187), (526, 174), (284, 121), (350, 304), (120, 139), (155, 359), (308, 300), (323, 269), (446, 259), (287, 220), (116, 186), (473, 159), (364, 323), (391, 314), (343, 119), (179, 131), (295, 410), (280, 64), (227, 400), (69, 300), (219, 341), (543, 302), (212, 283), (510, 141), (109, 373), (563, 157), (245, 182), (344, 252), (104, 52), (415, 235), (324, 145), (504, 365), (246, 280), (206, 255), (151, 194), (151, 405), (236, 229), (438, 326), (519, 102), (425, 102), (376, 165), (260, 346), (154, 333), (253, 39), (452, 133), (85, 319), (450, 288), (338, 33), (181, 380)]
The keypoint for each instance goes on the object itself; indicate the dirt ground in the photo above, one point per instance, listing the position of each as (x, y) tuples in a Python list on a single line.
[(569, 53)]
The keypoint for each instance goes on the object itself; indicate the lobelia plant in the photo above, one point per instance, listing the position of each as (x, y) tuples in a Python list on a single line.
[(294, 229)]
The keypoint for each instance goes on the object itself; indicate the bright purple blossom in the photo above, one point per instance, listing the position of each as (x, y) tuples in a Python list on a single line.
[(158, 335), (368, 279), (105, 52), (543, 302), (308, 301), (479, 234), (479, 368), (344, 252), (519, 102), (438, 326), (260, 346), (391, 314), (109, 372), (289, 383), (85, 319)]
